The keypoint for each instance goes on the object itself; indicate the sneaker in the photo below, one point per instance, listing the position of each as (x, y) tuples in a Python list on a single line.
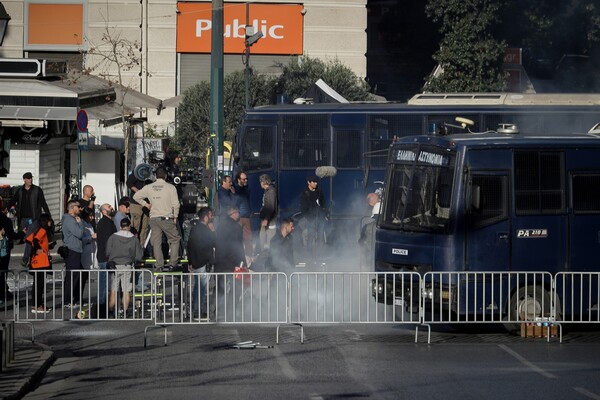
[(69, 306), (40, 310), (84, 304)]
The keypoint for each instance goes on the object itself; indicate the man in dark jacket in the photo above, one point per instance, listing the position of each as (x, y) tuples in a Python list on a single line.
[(123, 249), (312, 205), (281, 256), (268, 212), (7, 236), (105, 229), (229, 253), (242, 192), (29, 202), (200, 251)]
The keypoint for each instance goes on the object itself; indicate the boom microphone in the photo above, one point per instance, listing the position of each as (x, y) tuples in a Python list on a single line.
[(326, 171)]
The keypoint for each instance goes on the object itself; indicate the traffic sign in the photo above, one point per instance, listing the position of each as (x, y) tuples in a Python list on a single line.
[(82, 120), (83, 140)]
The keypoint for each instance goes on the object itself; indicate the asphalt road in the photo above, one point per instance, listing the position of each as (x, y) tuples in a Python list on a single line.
[(108, 360)]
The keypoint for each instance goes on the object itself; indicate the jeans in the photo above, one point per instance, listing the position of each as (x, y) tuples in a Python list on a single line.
[(26, 224), (72, 283), (102, 279), (199, 280)]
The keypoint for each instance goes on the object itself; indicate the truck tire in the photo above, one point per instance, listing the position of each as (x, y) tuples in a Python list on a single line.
[(529, 301)]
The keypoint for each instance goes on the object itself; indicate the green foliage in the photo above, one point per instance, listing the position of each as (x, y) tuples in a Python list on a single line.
[(262, 89), (193, 114), (298, 75), (471, 57), (193, 119)]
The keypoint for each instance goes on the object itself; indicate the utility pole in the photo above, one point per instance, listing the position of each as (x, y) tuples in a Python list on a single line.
[(247, 58), (251, 38), (216, 95)]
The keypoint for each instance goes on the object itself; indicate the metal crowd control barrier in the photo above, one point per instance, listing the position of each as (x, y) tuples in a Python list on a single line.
[(510, 298), (354, 297), (41, 295), (225, 298), (7, 287), (515, 299), (578, 297)]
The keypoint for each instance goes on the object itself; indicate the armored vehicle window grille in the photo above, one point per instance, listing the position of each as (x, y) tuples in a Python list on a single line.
[(382, 130), (539, 182), (305, 141), (257, 151), (493, 200), (348, 148), (586, 194)]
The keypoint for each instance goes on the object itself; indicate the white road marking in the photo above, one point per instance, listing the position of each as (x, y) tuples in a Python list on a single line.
[(587, 393), (527, 363), (286, 368)]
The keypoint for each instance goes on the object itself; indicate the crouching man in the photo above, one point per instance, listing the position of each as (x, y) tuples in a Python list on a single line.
[(123, 249)]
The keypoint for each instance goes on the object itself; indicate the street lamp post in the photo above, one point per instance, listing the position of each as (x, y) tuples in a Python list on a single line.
[(4, 18), (251, 38)]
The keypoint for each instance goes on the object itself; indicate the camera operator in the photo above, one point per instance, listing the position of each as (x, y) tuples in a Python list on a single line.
[(175, 176)]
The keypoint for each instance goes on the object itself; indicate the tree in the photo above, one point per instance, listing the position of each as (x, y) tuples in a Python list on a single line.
[(469, 55), (193, 120), (111, 59), (298, 75), (193, 115), (193, 131)]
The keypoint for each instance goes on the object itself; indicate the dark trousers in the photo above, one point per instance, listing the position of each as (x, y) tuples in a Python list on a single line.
[(39, 282), (4, 261), (72, 285)]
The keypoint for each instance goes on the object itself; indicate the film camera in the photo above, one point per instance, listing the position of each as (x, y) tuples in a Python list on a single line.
[(189, 178)]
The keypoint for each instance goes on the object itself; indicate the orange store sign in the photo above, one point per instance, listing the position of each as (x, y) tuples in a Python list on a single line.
[(280, 24)]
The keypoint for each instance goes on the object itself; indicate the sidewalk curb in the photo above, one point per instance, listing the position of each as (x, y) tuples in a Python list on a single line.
[(32, 374)]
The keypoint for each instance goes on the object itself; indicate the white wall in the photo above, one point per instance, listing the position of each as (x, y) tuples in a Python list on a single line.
[(99, 169)]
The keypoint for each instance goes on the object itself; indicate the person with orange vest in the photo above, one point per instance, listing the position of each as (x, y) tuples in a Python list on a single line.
[(40, 261)]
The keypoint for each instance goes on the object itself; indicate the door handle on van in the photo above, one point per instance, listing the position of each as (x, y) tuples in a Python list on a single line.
[(503, 236)]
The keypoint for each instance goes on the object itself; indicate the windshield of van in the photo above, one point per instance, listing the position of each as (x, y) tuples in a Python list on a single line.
[(419, 189)]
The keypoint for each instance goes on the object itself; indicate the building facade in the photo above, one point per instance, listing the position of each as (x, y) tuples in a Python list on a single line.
[(172, 39)]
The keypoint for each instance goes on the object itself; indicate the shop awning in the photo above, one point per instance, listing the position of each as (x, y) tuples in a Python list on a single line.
[(29, 99), (34, 99), (108, 114), (173, 102)]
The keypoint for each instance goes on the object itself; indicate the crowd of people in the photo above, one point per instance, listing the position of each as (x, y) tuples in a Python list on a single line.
[(219, 240)]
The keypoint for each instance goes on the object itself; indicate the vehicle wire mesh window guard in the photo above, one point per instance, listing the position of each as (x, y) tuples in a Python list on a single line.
[(348, 148), (383, 128), (539, 182), (493, 200), (586, 194), (258, 149), (305, 141)]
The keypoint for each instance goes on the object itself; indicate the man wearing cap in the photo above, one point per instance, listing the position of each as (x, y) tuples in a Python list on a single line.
[(122, 211), (29, 202), (123, 249), (164, 209), (312, 205)]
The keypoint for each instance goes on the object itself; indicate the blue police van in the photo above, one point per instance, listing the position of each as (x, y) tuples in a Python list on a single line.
[(494, 201)]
